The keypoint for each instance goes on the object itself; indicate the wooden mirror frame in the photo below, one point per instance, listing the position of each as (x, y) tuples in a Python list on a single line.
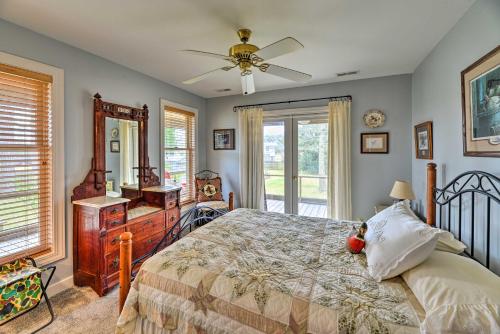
[(94, 183)]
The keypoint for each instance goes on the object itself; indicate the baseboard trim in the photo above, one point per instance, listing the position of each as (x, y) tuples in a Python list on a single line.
[(60, 286)]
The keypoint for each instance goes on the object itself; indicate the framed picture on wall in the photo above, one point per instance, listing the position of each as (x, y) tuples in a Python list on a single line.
[(481, 106), (423, 140), (114, 146), (375, 142), (224, 139)]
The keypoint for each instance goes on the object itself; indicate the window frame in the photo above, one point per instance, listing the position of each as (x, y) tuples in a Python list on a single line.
[(165, 104), (58, 251)]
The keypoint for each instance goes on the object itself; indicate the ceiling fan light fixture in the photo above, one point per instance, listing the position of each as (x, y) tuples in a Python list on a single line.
[(247, 84)]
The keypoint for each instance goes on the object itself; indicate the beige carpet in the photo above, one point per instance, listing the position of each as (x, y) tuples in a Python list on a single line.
[(78, 310)]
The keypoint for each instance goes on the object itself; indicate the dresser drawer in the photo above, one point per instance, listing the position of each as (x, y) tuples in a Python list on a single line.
[(112, 240), (145, 245), (171, 195), (171, 204), (112, 263), (114, 221), (114, 211), (172, 217), (148, 225)]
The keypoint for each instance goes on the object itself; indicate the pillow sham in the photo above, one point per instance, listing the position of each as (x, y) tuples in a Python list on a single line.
[(448, 243), (458, 294), (209, 189), (396, 241)]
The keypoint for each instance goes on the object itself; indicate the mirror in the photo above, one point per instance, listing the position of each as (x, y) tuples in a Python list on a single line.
[(133, 153), (122, 158)]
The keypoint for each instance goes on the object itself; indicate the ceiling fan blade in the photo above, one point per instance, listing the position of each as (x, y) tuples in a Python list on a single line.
[(285, 72), (247, 84), (281, 47), (208, 54), (204, 75)]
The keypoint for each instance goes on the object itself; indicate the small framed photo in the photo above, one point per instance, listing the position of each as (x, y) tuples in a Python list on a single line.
[(423, 140), (224, 139), (114, 146), (375, 142)]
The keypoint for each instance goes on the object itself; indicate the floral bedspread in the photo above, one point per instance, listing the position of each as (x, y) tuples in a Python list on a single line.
[(261, 272)]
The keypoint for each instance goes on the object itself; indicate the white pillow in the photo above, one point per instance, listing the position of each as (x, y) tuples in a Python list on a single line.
[(448, 243), (458, 294), (396, 241)]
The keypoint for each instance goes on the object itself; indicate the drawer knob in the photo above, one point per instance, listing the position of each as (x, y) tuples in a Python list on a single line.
[(116, 262), (150, 241), (115, 240), (114, 211), (148, 222), (116, 222)]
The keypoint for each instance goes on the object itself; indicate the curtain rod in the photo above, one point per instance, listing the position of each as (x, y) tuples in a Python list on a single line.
[(331, 98)]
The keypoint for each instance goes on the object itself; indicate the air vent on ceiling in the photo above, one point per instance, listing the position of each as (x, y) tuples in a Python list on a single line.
[(343, 74), (222, 90)]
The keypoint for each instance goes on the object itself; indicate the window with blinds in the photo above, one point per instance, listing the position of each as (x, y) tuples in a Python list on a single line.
[(26, 210), (180, 151)]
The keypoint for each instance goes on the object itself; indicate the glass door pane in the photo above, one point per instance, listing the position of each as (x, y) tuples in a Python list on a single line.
[(274, 165), (312, 164)]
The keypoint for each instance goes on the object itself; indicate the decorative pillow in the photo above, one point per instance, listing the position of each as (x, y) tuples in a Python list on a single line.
[(209, 189), (448, 243), (396, 241), (458, 294)]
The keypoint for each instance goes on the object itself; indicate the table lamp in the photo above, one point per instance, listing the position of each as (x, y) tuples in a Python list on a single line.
[(402, 190)]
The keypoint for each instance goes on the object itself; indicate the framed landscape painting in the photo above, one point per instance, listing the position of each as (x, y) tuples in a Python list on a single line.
[(423, 140), (481, 106), (375, 142)]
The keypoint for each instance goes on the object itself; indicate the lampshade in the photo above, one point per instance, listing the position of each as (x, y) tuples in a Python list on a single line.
[(402, 190)]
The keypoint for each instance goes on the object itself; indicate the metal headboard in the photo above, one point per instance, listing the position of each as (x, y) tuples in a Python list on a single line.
[(465, 187)]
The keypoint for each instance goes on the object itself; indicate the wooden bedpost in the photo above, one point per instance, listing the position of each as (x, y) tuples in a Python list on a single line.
[(125, 266), (231, 201), (431, 184)]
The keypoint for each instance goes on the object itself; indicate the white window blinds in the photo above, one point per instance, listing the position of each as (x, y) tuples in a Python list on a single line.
[(180, 150), (26, 210)]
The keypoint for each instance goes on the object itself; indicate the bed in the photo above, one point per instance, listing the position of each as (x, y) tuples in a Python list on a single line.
[(260, 272)]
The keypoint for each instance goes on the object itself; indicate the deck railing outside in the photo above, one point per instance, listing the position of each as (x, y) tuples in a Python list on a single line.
[(311, 202), (300, 181)]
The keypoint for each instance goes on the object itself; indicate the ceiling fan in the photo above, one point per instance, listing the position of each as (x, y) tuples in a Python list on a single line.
[(245, 56)]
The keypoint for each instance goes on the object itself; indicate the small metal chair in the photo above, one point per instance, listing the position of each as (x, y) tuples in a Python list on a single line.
[(22, 289)]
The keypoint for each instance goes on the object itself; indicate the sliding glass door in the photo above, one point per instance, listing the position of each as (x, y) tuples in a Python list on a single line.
[(274, 166), (295, 164)]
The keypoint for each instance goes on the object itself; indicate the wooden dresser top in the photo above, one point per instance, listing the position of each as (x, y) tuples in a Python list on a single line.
[(162, 189), (101, 201)]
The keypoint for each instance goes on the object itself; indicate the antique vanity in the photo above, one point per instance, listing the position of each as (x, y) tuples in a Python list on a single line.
[(120, 194)]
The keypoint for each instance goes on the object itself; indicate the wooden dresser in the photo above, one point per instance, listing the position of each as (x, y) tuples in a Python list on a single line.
[(98, 223), (145, 208)]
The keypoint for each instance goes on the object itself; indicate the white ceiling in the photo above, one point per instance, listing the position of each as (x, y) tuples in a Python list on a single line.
[(377, 37)]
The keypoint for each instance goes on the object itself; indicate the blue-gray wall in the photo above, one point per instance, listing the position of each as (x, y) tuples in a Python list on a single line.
[(436, 96), (372, 174), (84, 75), (436, 93)]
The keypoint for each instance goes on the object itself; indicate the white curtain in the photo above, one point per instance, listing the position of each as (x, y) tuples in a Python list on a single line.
[(125, 154), (339, 160), (251, 139), (129, 152)]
